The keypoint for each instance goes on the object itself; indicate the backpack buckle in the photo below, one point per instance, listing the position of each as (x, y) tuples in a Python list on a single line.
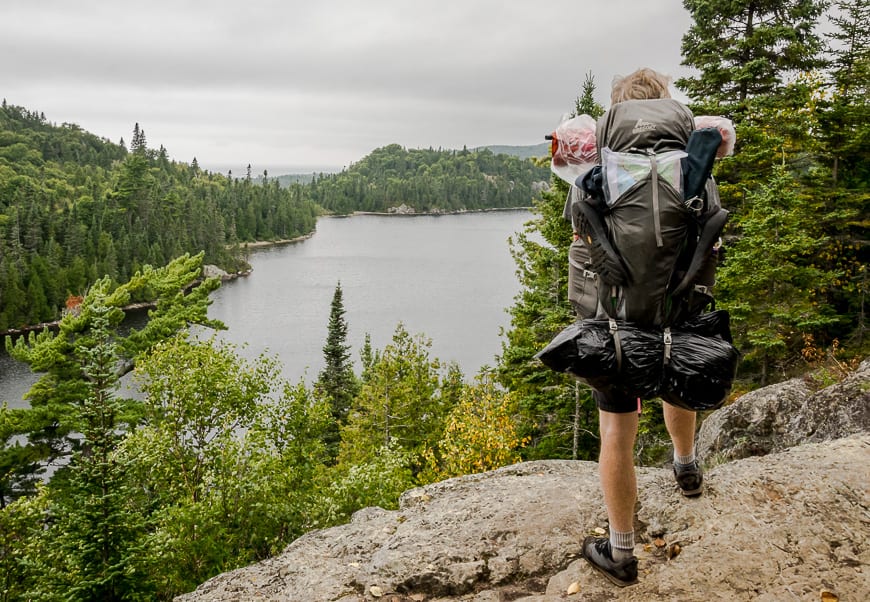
[(668, 340), (696, 204)]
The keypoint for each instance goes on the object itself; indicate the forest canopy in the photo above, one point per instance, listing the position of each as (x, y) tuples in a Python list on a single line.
[(75, 208)]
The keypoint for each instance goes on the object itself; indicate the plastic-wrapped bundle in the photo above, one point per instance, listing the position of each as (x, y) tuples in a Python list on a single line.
[(697, 374), (711, 324), (726, 129), (700, 372), (702, 364), (584, 349), (642, 353), (587, 350), (573, 148)]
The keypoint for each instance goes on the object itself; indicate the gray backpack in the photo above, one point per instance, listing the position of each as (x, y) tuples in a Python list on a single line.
[(649, 218)]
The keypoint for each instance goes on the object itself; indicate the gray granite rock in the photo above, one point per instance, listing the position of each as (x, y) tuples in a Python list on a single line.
[(784, 525)]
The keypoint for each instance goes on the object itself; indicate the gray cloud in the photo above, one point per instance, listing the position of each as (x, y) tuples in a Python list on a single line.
[(292, 84)]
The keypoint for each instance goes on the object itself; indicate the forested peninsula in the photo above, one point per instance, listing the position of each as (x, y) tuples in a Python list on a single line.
[(75, 207)]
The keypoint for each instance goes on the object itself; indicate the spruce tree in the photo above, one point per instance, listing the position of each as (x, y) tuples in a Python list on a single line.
[(93, 526), (845, 123), (747, 48), (586, 103), (337, 381)]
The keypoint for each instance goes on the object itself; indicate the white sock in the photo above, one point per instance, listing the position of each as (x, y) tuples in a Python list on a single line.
[(621, 545), (684, 460)]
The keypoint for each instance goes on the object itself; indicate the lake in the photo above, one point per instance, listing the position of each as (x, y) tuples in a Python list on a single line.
[(448, 277)]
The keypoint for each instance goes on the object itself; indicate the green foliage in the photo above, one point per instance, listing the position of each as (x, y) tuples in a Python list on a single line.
[(771, 282), (53, 417), (22, 546), (746, 48), (377, 481), (82, 553), (586, 103), (796, 188), (557, 416), (547, 404), (223, 463), (94, 527), (480, 433), (402, 401), (844, 123), (429, 181)]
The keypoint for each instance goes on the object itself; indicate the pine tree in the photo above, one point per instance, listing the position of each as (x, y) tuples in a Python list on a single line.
[(50, 423), (93, 526), (138, 145), (773, 282), (337, 381), (585, 104), (845, 124)]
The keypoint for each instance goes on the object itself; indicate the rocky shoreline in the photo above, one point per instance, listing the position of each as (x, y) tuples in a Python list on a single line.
[(405, 210)]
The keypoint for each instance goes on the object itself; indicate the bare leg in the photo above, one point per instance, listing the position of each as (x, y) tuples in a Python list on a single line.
[(681, 427), (616, 466)]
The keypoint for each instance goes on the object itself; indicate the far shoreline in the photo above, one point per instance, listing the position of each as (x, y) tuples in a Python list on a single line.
[(262, 244), (259, 244), (432, 213)]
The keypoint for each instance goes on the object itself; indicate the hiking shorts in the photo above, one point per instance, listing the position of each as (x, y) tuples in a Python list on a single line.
[(615, 402)]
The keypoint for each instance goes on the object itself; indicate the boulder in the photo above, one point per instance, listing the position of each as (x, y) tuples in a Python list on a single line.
[(213, 271), (780, 416)]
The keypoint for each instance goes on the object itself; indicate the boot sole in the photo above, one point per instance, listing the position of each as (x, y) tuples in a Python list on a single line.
[(614, 580), (692, 492)]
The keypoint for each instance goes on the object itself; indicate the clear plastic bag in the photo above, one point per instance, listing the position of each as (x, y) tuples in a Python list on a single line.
[(573, 148), (621, 171)]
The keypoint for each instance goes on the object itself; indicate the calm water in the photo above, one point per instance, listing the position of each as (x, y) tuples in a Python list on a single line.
[(448, 277)]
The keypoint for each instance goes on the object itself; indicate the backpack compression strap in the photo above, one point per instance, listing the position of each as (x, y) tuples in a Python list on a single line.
[(710, 230), (605, 260)]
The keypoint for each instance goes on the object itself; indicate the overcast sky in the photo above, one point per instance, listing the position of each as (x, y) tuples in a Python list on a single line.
[(292, 86)]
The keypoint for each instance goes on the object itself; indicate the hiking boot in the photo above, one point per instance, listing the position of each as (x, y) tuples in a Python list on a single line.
[(597, 551), (690, 479)]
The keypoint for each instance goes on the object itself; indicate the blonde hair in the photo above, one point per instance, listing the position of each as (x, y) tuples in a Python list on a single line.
[(643, 84)]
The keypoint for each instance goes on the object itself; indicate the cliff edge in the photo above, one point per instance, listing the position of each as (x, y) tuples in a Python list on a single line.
[(789, 525)]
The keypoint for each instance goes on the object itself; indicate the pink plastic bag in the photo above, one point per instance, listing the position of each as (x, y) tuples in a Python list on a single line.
[(573, 148)]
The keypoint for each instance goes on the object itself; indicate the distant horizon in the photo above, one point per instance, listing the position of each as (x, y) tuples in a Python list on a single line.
[(275, 170)]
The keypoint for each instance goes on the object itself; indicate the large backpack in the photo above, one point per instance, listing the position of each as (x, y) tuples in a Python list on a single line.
[(641, 272), (651, 242)]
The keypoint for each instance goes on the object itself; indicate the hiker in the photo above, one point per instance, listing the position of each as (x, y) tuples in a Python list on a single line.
[(644, 122)]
